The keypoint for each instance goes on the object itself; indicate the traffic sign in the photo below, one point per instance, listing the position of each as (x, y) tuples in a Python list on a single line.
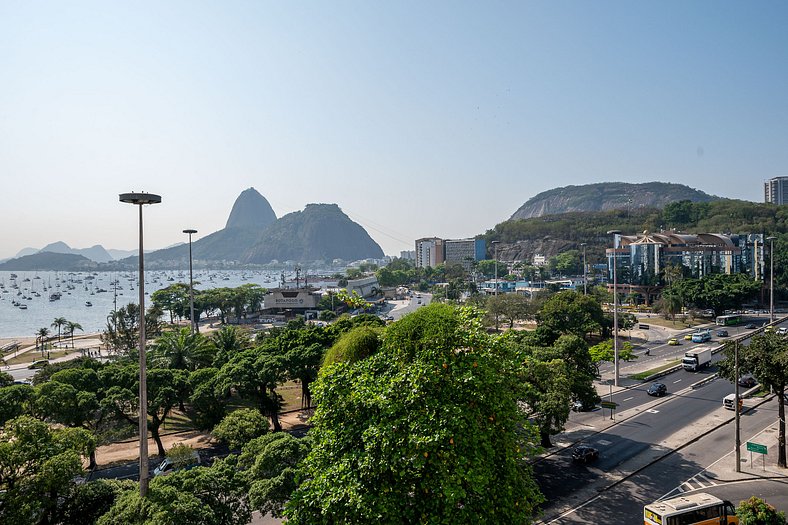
[(608, 404), (755, 447)]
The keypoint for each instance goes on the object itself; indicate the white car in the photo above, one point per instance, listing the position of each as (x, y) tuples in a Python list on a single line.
[(782, 331)]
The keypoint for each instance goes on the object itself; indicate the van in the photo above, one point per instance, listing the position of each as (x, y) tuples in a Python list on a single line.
[(730, 400), (168, 466)]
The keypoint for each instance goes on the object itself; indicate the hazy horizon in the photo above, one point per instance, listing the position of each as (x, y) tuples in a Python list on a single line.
[(416, 119)]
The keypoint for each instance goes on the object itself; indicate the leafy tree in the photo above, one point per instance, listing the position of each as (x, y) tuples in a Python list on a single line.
[(570, 312), (604, 351), (87, 502), (200, 496), (487, 268), (172, 299), (718, 292), (546, 391), (70, 327), (208, 401), (37, 464), (766, 357), (427, 429), (511, 306), (122, 332), (14, 400), (302, 364), (6, 379), (254, 375), (358, 343), (269, 464), (240, 427), (756, 511)]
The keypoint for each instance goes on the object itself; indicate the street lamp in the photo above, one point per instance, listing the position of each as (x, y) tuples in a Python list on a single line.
[(585, 279), (139, 199), (771, 278), (191, 281), (615, 308)]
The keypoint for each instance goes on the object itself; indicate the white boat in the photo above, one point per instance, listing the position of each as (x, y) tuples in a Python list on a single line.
[(88, 303)]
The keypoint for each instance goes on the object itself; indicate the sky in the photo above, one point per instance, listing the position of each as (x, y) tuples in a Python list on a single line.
[(416, 118)]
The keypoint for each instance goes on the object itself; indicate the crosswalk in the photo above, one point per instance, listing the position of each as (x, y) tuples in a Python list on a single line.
[(697, 482)]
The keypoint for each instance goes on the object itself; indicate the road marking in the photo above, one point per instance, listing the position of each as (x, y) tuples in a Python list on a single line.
[(604, 442), (678, 381), (627, 399), (652, 411)]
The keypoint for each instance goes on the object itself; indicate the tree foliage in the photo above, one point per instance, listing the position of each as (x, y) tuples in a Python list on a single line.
[(425, 430), (756, 511), (240, 427)]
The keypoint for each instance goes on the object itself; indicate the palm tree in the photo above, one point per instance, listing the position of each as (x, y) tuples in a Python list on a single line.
[(41, 334), (58, 323), (70, 327), (183, 350)]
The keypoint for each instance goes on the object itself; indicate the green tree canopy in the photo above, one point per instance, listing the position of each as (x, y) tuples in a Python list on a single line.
[(570, 312), (241, 426)]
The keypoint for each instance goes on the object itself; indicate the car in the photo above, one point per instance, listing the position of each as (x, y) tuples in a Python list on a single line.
[(582, 406), (749, 326), (782, 331), (169, 466), (747, 381), (673, 341), (418, 302), (688, 337), (584, 453), (722, 333), (41, 363), (657, 389)]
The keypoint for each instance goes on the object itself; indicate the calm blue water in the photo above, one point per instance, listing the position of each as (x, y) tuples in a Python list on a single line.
[(77, 288)]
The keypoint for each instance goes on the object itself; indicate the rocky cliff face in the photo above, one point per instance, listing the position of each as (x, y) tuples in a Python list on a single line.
[(251, 211), (608, 196), (320, 232)]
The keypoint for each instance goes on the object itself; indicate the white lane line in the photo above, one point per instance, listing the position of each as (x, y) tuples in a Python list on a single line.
[(677, 381), (627, 399)]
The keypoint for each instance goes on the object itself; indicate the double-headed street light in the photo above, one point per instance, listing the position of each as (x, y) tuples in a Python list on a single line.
[(614, 233), (191, 281), (771, 278), (139, 199)]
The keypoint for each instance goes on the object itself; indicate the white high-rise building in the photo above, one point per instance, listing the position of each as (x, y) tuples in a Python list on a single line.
[(775, 190)]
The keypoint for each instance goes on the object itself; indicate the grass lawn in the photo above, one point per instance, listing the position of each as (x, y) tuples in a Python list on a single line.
[(29, 357), (644, 375), (678, 324)]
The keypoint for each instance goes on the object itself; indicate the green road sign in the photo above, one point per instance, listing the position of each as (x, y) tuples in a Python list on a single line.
[(755, 447), (608, 404)]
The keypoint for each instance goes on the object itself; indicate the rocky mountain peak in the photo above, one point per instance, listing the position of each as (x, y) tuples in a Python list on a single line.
[(251, 211)]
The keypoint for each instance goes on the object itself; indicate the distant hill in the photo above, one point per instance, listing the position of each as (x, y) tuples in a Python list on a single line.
[(605, 196), (251, 211), (50, 261), (320, 232)]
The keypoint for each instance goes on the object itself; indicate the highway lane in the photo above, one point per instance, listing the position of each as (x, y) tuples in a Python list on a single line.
[(683, 471), (627, 445)]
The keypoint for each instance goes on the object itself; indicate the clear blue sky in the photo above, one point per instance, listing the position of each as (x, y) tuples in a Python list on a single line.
[(417, 118)]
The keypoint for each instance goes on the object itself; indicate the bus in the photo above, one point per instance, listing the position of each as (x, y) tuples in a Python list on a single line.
[(692, 509), (728, 320)]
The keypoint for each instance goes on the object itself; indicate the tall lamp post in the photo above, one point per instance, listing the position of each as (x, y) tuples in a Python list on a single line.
[(139, 199), (615, 308), (771, 278), (585, 278), (191, 281)]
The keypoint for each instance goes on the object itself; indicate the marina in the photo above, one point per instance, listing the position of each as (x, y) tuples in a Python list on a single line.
[(30, 301)]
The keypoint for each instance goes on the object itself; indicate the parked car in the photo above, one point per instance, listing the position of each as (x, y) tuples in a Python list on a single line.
[(688, 337), (580, 406), (748, 381), (584, 453), (782, 331), (673, 341), (722, 333), (749, 326), (168, 465), (657, 389)]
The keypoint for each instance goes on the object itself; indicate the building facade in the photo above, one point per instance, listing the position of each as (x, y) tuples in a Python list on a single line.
[(465, 251), (646, 262), (429, 252), (775, 190)]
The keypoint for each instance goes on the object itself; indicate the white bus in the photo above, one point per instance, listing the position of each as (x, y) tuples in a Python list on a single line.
[(692, 509)]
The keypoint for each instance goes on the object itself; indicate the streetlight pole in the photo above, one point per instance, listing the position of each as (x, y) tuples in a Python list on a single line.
[(585, 278), (736, 404), (139, 199), (771, 278), (495, 247), (191, 282), (615, 308)]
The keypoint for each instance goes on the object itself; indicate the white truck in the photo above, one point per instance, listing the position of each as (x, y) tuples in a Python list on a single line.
[(694, 360)]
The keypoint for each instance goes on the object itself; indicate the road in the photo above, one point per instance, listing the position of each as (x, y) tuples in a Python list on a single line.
[(706, 465)]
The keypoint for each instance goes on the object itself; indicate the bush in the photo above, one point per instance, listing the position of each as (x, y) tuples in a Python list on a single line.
[(240, 427)]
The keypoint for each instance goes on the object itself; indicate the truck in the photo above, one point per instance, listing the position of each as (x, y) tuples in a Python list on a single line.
[(694, 360), (701, 336)]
